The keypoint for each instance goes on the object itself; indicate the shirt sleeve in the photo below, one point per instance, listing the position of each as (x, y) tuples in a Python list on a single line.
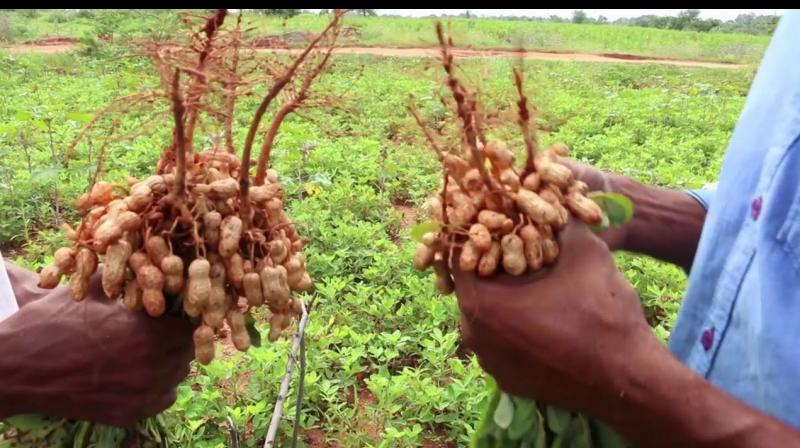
[(703, 196), (8, 302)]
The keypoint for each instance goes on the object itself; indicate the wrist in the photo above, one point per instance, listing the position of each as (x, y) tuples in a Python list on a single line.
[(666, 223)]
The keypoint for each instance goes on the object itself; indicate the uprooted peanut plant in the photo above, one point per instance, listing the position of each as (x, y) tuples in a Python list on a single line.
[(201, 233), (492, 214), (498, 214)]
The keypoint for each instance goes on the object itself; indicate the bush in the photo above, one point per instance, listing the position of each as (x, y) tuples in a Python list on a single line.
[(85, 14), (59, 17), (6, 30), (89, 45), (285, 13), (29, 13)]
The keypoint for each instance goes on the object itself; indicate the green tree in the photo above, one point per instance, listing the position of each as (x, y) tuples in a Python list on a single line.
[(285, 13), (686, 19), (579, 16)]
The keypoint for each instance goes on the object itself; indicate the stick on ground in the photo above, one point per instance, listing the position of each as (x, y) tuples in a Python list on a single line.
[(272, 431)]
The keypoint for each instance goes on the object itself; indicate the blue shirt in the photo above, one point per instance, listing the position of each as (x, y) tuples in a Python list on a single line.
[(739, 325)]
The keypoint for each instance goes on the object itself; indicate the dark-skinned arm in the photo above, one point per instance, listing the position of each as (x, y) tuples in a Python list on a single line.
[(666, 224), (89, 360), (575, 337)]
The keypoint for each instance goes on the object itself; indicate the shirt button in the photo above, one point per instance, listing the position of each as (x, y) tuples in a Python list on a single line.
[(707, 339), (755, 208)]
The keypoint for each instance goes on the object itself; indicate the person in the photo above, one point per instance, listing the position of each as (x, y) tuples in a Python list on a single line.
[(576, 336), (90, 360)]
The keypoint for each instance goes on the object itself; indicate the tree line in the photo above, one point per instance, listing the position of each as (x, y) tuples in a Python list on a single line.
[(688, 20)]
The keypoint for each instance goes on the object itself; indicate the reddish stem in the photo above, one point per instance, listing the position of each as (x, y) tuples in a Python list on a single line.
[(463, 109), (524, 124), (244, 179), (230, 99), (178, 111), (210, 29), (286, 109), (428, 134)]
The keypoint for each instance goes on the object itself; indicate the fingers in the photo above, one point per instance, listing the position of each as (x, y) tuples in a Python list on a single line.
[(96, 287), (593, 177), (178, 366), (578, 244), (162, 402)]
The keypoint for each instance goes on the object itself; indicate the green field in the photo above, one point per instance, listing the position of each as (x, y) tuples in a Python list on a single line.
[(495, 33), (385, 366), (405, 32)]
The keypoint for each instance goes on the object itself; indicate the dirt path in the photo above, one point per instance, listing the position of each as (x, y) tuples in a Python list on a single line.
[(42, 49), (539, 55), (434, 52)]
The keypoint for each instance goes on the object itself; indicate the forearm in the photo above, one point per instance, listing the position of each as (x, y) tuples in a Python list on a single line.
[(18, 394), (666, 404), (24, 283), (666, 224)]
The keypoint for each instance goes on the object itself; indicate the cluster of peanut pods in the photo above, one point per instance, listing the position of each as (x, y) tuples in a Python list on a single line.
[(500, 216), (198, 251)]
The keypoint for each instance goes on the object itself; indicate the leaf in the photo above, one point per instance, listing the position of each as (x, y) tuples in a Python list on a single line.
[(322, 180), (581, 433), (79, 116), (108, 436), (617, 207), (504, 412), (524, 420), (606, 437), (557, 420), (250, 325), (28, 422), (422, 228), (486, 426), (46, 174), (39, 124), (23, 115), (541, 439), (560, 441), (82, 435)]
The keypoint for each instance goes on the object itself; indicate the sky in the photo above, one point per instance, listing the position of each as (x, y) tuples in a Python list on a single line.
[(610, 14)]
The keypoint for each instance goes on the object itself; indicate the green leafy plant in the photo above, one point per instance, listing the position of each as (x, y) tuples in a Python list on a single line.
[(377, 321)]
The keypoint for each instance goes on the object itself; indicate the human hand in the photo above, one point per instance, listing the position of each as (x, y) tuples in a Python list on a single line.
[(93, 360), (565, 336), (598, 180)]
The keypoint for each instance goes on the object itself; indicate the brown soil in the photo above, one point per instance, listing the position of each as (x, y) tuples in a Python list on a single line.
[(52, 44), (52, 40), (316, 438), (409, 214), (270, 42)]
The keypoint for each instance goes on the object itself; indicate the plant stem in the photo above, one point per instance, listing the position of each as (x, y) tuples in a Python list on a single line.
[(286, 109), (428, 134), (244, 177), (272, 431), (180, 143), (200, 82), (230, 99), (524, 124), (463, 110), (300, 388)]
